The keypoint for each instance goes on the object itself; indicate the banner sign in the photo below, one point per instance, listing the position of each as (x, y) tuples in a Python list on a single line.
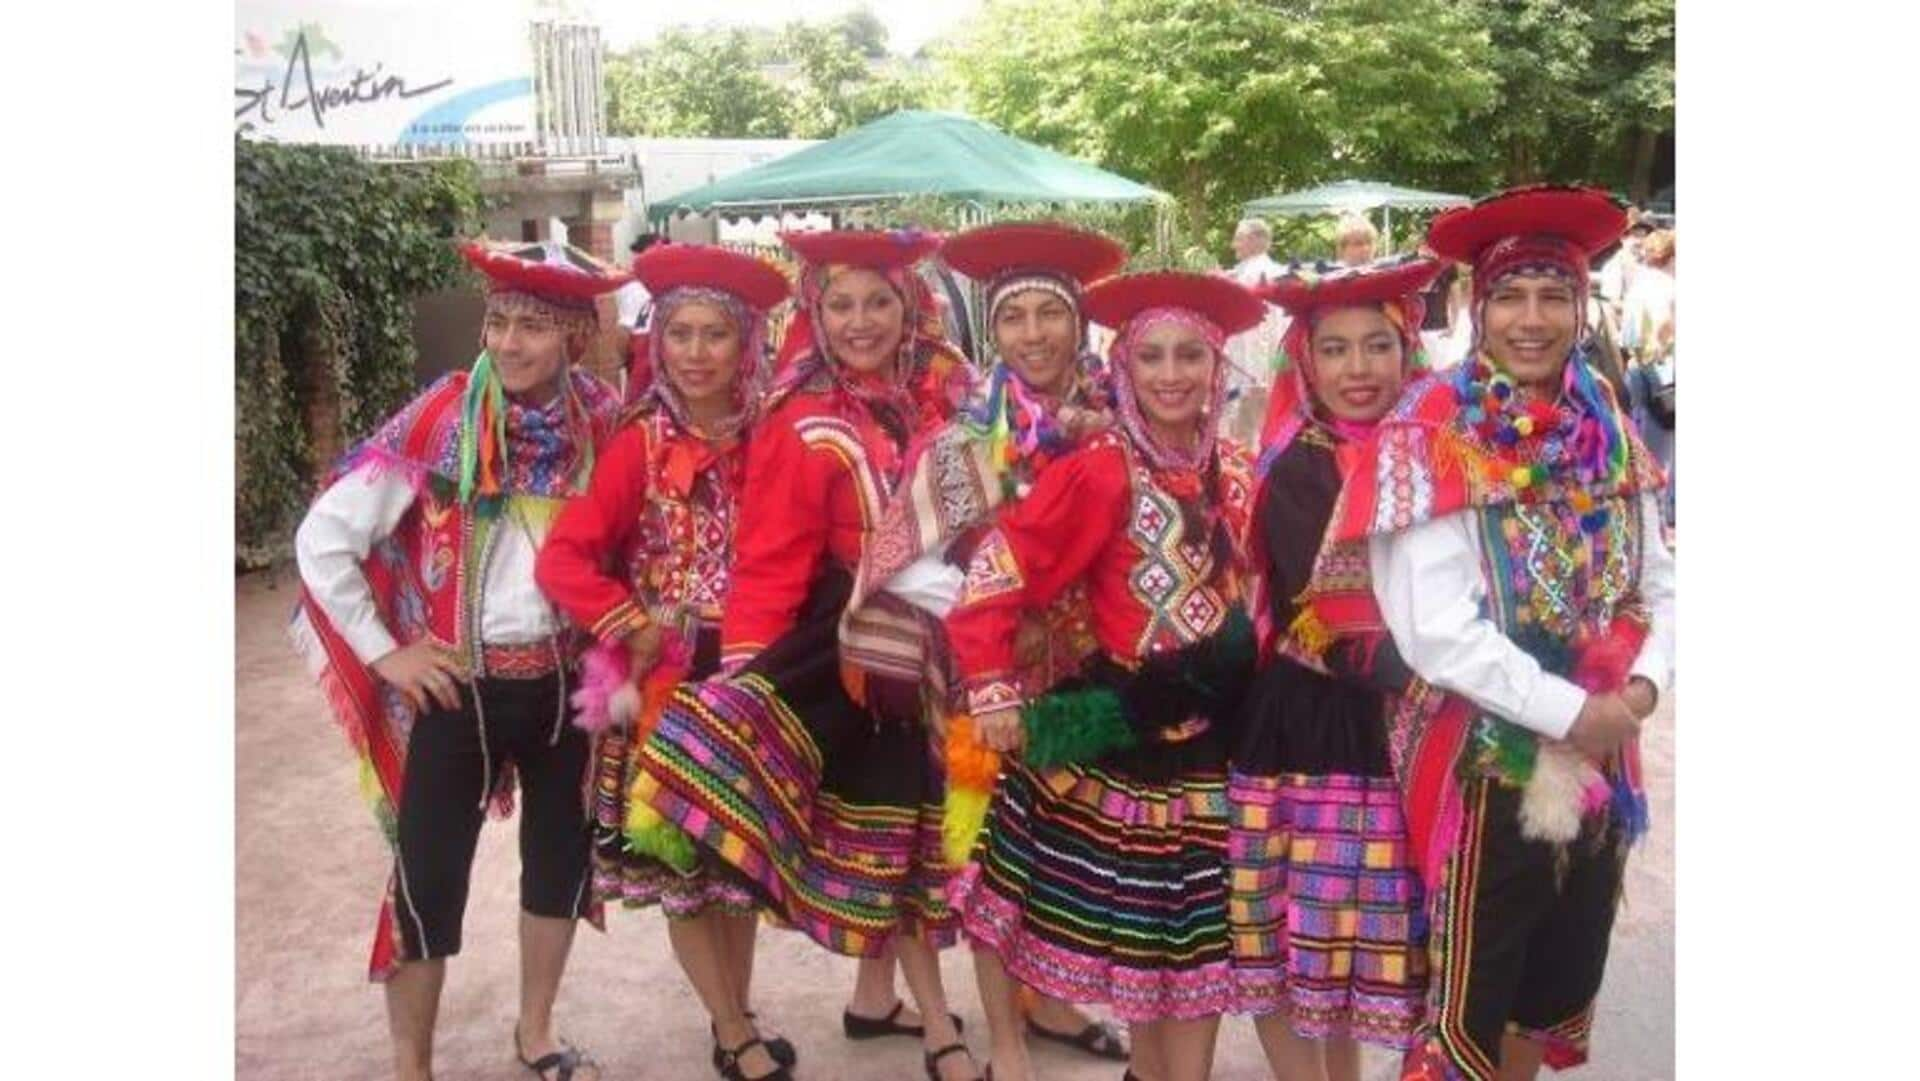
[(381, 75)]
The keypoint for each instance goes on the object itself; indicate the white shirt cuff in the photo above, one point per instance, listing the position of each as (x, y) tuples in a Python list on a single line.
[(929, 583), (1551, 706), (368, 638)]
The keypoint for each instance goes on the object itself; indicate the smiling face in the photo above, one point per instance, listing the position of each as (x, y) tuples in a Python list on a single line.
[(529, 349), (1035, 331), (1357, 359), (1171, 366), (700, 349), (1528, 329), (863, 321)]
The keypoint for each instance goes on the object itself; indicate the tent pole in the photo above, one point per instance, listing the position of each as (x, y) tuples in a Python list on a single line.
[(1386, 219)]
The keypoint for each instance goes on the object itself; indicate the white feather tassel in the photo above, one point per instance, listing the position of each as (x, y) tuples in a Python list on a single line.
[(1556, 795)]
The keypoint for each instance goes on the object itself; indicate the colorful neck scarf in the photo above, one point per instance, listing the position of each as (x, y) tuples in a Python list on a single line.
[(509, 448), (750, 380)]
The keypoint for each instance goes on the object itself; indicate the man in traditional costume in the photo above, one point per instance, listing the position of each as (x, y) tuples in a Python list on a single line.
[(420, 617), (1512, 529)]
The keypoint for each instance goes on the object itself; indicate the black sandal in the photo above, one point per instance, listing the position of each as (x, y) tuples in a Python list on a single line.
[(779, 1047), (1099, 1039), (934, 1057), (873, 1028), (730, 1063), (568, 1059)]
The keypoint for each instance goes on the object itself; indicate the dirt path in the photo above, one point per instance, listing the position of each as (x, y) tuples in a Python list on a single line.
[(310, 864)]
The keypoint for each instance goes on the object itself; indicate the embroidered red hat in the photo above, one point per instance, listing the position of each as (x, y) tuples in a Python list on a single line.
[(874, 249), (555, 273), (997, 251), (1304, 291), (1588, 218), (758, 284), (1224, 302)]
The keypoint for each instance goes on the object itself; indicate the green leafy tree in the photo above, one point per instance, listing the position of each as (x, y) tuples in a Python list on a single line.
[(864, 31), (695, 83), (329, 253), (1217, 104)]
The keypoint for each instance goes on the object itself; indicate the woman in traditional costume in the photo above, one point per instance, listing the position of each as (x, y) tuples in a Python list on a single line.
[(826, 804), (1101, 873), (1324, 905), (640, 561), (1043, 395)]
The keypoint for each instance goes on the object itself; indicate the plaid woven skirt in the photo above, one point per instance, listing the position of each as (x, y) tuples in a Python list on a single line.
[(1327, 912)]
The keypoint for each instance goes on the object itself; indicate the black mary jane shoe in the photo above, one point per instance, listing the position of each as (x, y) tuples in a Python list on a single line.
[(729, 1064), (779, 1047), (934, 1057), (873, 1028)]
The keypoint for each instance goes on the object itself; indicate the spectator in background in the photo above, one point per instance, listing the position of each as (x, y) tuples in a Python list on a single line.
[(1250, 355), (1647, 330), (1252, 240), (1617, 273), (1355, 241)]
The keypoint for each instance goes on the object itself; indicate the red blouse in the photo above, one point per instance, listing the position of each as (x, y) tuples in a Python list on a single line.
[(1100, 516), (819, 471), (651, 536)]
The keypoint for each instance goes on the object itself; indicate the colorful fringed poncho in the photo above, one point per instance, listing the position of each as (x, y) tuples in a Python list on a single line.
[(1552, 488), (477, 460)]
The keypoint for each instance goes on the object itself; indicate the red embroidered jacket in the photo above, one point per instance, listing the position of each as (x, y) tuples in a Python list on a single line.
[(819, 471), (1098, 516), (651, 536)]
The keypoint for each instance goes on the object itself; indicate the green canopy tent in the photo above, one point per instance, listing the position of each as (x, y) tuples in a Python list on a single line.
[(906, 154), (909, 154), (1356, 196)]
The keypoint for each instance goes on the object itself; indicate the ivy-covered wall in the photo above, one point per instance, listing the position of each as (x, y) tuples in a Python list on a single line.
[(329, 253)]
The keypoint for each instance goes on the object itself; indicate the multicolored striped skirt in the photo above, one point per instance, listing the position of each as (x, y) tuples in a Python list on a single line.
[(831, 814), (631, 878), (1107, 882)]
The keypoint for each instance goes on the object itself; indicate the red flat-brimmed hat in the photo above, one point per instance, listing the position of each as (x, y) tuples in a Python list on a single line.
[(1304, 291), (664, 267), (1586, 217), (1224, 302), (875, 249), (995, 251), (554, 273)]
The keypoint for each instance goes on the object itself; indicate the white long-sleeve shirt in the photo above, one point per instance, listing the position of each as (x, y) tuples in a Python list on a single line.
[(362, 508), (1429, 586)]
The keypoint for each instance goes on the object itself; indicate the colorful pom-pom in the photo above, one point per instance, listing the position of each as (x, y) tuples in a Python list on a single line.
[(1522, 476), (1502, 389), (1523, 425), (1507, 436)]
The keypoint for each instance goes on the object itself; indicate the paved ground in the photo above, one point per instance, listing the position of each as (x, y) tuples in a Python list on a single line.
[(310, 864)]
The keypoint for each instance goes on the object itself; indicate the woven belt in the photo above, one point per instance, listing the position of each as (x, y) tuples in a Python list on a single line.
[(521, 660)]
